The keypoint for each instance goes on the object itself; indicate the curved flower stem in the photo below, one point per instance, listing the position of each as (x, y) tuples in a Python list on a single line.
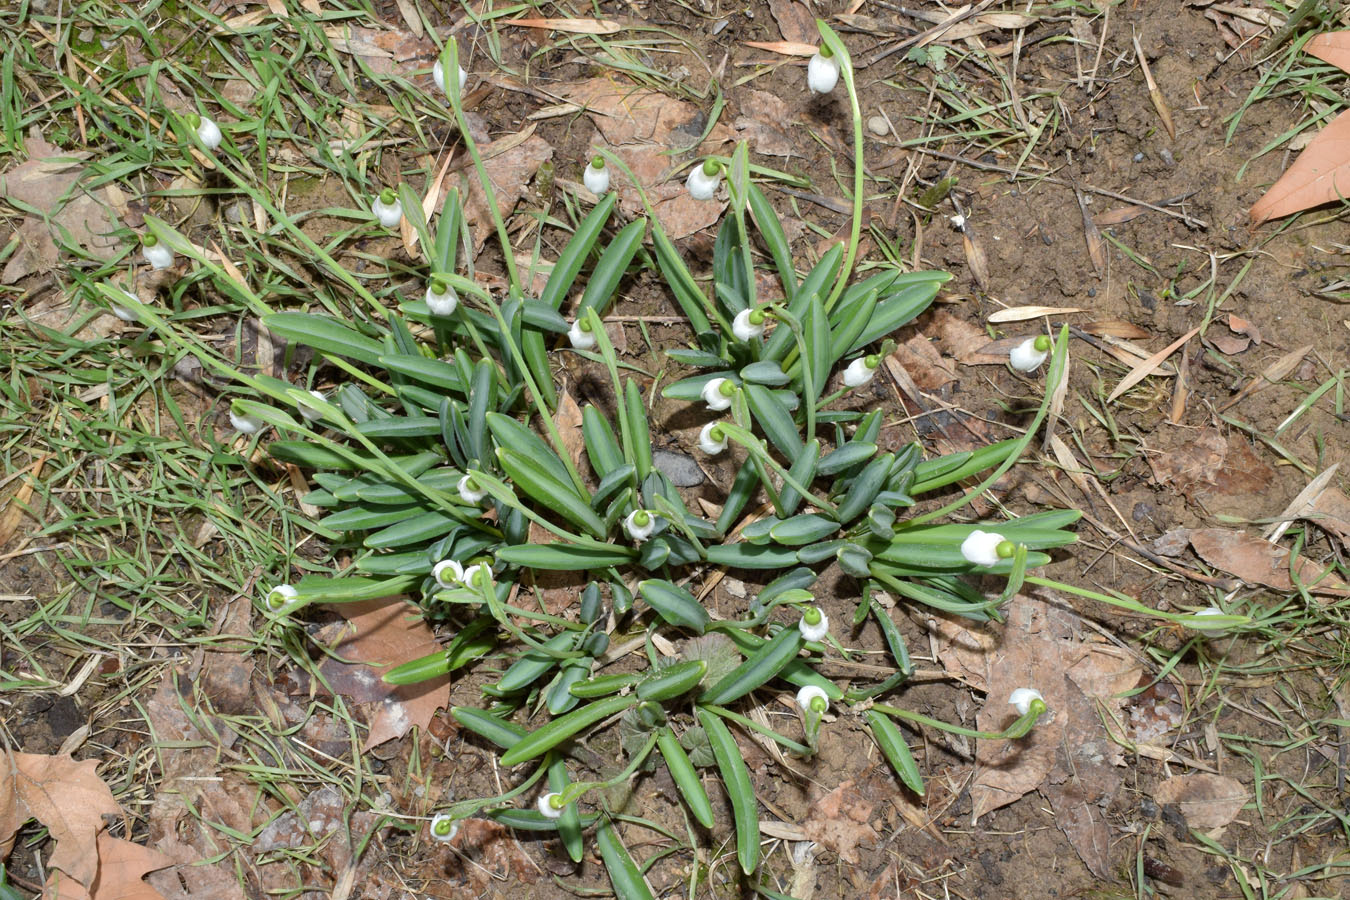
[(751, 724), (780, 312), (1200, 623), (1021, 728), (846, 70), (577, 789), (468, 808)]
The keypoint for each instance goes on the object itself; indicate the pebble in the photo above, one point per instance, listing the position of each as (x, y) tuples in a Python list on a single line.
[(679, 468), (878, 126)]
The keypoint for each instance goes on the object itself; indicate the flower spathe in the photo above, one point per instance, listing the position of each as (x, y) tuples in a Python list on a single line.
[(443, 828), (438, 75), (281, 595), (546, 807), (822, 73), (813, 699), (640, 525), (441, 298), (1022, 698), (981, 548), (122, 312), (580, 336), (748, 324), (1028, 355), (448, 573), (712, 440), (245, 423), (596, 176), (717, 394), (308, 410), (860, 371), (387, 208), (157, 254), (814, 631), (704, 180), (469, 491)]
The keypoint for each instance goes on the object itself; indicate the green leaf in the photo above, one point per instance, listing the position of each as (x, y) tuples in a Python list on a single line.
[(574, 254), (804, 529), (774, 419), (561, 557), (604, 281), (674, 604), (325, 334), (736, 779), (544, 739), (538, 482)]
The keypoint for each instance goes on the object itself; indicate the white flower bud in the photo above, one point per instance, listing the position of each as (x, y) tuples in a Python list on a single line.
[(596, 177), (389, 212), (122, 312), (1022, 697), (859, 372), (581, 338), (470, 492), (744, 326), (816, 632), (245, 423), (713, 396), (1026, 356), (1204, 626), (640, 525), (822, 74), (280, 595), (547, 808), (441, 304), (448, 573), (703, 185), (438, 75), (807, 696), (309, 411), (208, 133), (472, 573), (443, 828), (157, 253), (980, 548), (708, 444)]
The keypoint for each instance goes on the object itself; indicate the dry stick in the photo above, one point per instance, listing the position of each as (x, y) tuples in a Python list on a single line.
[(1063, 182)]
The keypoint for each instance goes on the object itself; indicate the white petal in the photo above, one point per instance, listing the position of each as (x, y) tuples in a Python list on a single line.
[(1025, 357), (596, 180), (442, 304), (463, 77), (858, 373), (436, 825), (546, 807), (701, 185), (208, 133), (706, 442), (281, 595), (1205, 613), (438, 74), (1022, 697), (639, 532), (245, 423), (713, 396), (580, 338), (744, 328), (472, 572), (807, 694), (816, 632), (467, 493), (312, 413), (448, 573), (158, 255), (822, 74), (389, 214), (981, 548)]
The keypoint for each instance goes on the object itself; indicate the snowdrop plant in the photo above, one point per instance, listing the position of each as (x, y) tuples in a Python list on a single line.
[(207, 131), (595, 176), (387, 208), (704, 180), (158, 254), (1028, 355), (822, 71)]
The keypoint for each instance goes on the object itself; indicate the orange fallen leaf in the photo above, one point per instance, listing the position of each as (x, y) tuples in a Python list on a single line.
[(1258, 561), (1206, 801), (122, 867), (1332, 47), (1321, 174), (66, 796), (571, 26)]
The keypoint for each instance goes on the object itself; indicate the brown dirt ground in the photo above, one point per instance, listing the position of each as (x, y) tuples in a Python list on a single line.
[(1032, 237)]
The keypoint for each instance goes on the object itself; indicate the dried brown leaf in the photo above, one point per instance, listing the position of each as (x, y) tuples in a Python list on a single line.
[(1119, 216), (925, 364), (1276, 371), (570, 26), (567, 418), (1332, 47), (122, 867), (840, 821), (510, 171), (1023, 313), (786, 48), (1116, 328), (387, 632), (795, 21), (1147, 367), (1239, 325), (67, 797), (975, 258), (1321, 174), (1257, 561), (1206, 801), (1331, 512)]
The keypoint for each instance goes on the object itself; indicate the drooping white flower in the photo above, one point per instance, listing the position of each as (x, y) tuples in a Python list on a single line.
[(474, 573), (208, 132), (280, 595), (469, 491), (444, 828), (748, 324), (122, 312), (246, 423), (981, 548), (717, 394), (703, 180), (1028, 355), (712, 440), (596, 176), (1204, 626), (309, 411), (157, 254), (387, 208), (639, 525), (438, 75), (580, 336), (1022, 697), (547, 808), (859, 372), (822, 72), (448, 573), (441, 298), (814, 631), (812, 698)]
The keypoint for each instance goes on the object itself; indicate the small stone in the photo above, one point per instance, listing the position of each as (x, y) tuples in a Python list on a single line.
[(680, 469), (878, 126)]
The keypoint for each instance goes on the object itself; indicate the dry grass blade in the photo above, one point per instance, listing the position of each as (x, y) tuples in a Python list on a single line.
[(14, 512), (1096, 244), (1145, 368), (1180, 390), (1276, 371), (1155, 93), (975, 258), (571, 26), (787, 48), (1023, 313)]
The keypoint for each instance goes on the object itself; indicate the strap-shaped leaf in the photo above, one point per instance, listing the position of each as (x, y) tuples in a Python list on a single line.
[(325, 334), (604, 281), (736, 779), (561, 557), (574, 254), (674, 604), (774, 419), (538, 482)]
